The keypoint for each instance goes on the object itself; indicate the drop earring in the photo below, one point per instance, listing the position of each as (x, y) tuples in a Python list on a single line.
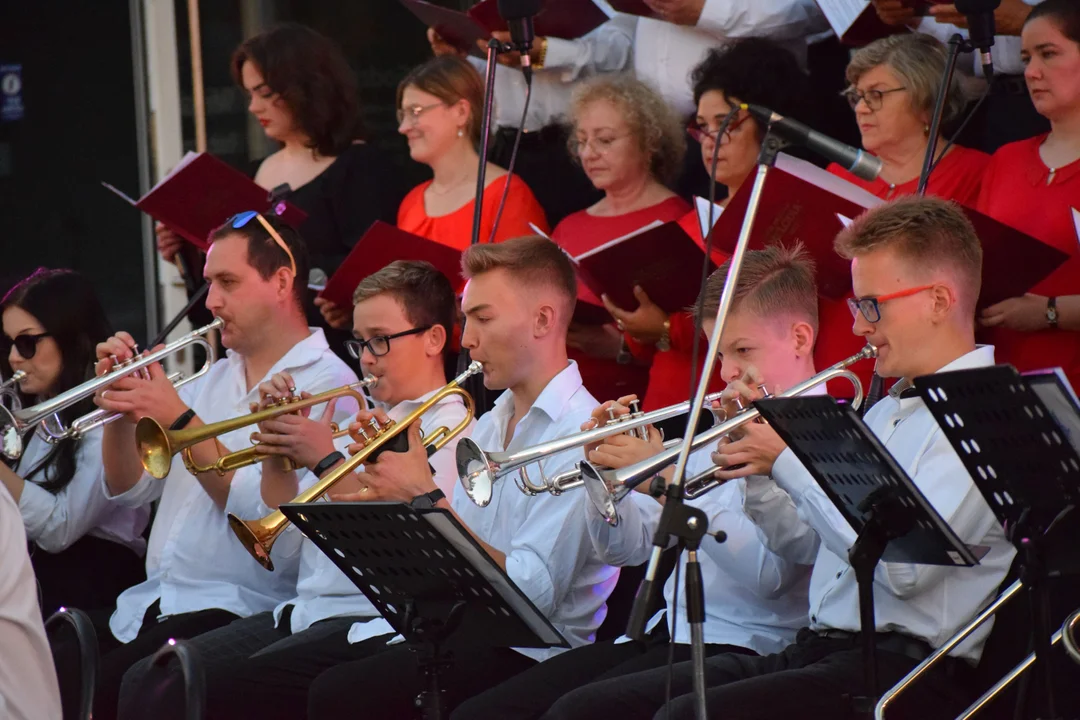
[(460, 132)]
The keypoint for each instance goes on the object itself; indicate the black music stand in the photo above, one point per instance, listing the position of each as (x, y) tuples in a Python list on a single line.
[(1021, 459), (893, 520), (429, 578)]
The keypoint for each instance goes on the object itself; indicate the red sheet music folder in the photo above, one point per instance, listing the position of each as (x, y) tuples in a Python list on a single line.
[(201, 193), (381, 245), (566, 19), (661, 258), (802, 202), (633, 7)]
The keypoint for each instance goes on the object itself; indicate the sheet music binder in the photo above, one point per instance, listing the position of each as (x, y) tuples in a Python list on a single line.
[(411, 563), (850, 463)]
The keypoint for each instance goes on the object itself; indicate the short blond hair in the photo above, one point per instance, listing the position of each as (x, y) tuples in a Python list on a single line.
[(533, 261), (774, 281), (424, 293), (926, 232), (653, 124)]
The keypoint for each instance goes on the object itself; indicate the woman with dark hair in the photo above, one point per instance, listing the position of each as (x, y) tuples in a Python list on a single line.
[(1034, 185), (84, 549), (302, 91)]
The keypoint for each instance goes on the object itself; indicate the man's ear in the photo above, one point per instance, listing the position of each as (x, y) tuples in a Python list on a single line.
[(284, 282), (943, 301), (436, 340), (545, 319), (802, 334)]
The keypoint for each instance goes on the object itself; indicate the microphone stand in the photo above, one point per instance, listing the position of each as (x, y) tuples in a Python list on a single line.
[(686, 522), (957, 44)]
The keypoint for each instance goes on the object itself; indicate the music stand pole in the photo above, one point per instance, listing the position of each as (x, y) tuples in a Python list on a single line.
[(956, 45)]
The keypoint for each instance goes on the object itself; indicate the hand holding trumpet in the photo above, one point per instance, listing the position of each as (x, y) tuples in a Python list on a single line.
[(393, 476), (295, 435), (145, 393)]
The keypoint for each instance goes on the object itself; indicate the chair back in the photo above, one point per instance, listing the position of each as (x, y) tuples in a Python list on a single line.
[(175, 682), (74, 646)]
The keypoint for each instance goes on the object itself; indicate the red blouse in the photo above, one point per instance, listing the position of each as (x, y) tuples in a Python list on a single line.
[(957, 176), (455, 228), (607, 379), (1018, 189)]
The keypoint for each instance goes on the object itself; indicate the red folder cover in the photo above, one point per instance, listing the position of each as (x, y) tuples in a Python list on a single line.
[(201, 193), (802, 202), (633, 7), (661, 258), (381, 245), (566, 19)]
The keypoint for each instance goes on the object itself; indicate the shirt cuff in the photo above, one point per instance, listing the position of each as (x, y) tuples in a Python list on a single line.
[(145, 491)]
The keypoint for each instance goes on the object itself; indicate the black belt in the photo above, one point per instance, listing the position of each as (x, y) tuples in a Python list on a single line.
[(898, 643), (1008, 85)]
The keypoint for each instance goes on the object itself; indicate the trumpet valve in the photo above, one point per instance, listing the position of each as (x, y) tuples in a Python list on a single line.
[(764, 390), (611, 416)]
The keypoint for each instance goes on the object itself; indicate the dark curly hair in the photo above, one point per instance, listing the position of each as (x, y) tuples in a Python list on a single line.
[(757, 71), (312, 78), (66, 305)]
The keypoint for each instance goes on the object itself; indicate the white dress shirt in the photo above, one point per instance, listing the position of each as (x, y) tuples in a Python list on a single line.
[(54, 521), (923, 601), (606, 49), (665, 53), (28, 687), (322, 590), (753, 598), (548, 552), (1006, 49), (194, 561)]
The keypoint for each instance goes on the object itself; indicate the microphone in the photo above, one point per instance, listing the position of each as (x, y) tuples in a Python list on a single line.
[(317, 279), (518, 15), (858, 162), (980, 16)]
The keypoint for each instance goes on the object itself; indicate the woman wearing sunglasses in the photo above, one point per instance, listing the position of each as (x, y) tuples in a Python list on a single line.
[(893, 85), (85, 550)]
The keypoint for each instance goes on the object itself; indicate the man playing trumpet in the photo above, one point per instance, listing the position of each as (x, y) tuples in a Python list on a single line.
[(261, 666), (198, 576)]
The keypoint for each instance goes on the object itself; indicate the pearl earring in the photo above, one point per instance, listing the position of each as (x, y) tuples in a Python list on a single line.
[(460, 132)]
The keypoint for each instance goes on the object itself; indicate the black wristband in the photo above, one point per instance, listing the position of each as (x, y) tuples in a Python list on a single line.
[(182, 422), (326, 462)]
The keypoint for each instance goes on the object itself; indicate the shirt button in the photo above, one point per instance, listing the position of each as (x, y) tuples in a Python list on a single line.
[(839, 574), (813, 618)]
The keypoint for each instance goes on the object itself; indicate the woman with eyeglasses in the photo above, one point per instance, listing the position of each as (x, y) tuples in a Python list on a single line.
[(1034, 185), (894, 82), (85, 550), (759, 72), (631, 145)]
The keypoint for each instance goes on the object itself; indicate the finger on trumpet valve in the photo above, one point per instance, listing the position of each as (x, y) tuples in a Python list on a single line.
[(611, 415)]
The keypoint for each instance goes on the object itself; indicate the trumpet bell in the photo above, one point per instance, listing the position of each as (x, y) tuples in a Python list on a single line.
[(475, 471), (154, 447), (257, 536)]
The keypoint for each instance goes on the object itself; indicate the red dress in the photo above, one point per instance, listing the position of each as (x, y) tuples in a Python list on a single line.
[(957, 177), (607, 379), (1018, 189), (455, 228)]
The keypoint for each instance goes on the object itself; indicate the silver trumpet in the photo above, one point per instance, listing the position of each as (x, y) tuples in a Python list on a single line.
[(14, 423), (479, 470), (607, 487)]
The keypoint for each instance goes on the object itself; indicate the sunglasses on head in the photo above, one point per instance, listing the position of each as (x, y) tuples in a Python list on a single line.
[(241, 219), (25, 345)]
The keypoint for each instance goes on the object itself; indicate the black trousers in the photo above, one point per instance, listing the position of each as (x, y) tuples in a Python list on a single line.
[(387, 685), (543, 162), (813, 678), (529, 694), (254, 669), (89, 575), (117, 657)]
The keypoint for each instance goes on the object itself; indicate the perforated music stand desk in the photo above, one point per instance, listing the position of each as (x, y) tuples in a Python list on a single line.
[(893, 520), (1021, 456), (428, 577)]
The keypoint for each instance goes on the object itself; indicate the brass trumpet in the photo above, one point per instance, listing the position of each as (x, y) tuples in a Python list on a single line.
[(258, 536), (157, 446), (15, 422)]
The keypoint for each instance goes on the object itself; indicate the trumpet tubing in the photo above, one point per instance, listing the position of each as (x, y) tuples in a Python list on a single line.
[(18, 422), (258, 536), (157, 446)]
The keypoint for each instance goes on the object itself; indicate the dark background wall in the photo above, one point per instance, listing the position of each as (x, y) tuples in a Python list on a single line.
[(79, 126)]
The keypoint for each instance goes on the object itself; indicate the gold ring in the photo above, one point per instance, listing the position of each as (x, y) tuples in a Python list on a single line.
[(619, 324), (364, 489)]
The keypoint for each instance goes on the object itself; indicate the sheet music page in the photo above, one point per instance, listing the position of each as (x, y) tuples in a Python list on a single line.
[(826, 180), (1057, 394), (702, 206), (1076, 223), (842, 14)]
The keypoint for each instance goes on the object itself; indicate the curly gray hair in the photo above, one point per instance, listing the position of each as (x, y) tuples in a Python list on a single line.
[(652, 122)]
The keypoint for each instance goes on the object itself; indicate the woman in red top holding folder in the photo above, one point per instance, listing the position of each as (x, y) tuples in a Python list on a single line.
[(1034, 185), (629, 143), (893, 84)]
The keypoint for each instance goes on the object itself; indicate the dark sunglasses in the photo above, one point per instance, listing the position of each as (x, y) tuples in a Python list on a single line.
[(380, 344), (241, 219), (26, 345)]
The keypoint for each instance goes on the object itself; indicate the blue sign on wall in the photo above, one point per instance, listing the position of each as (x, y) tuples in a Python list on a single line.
[(11, 102)]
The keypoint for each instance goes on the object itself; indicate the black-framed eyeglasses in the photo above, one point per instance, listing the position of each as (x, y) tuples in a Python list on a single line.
[(239, 220), (701, 132), (873, 98), (380, 344), (870, 307), (26, 345)]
